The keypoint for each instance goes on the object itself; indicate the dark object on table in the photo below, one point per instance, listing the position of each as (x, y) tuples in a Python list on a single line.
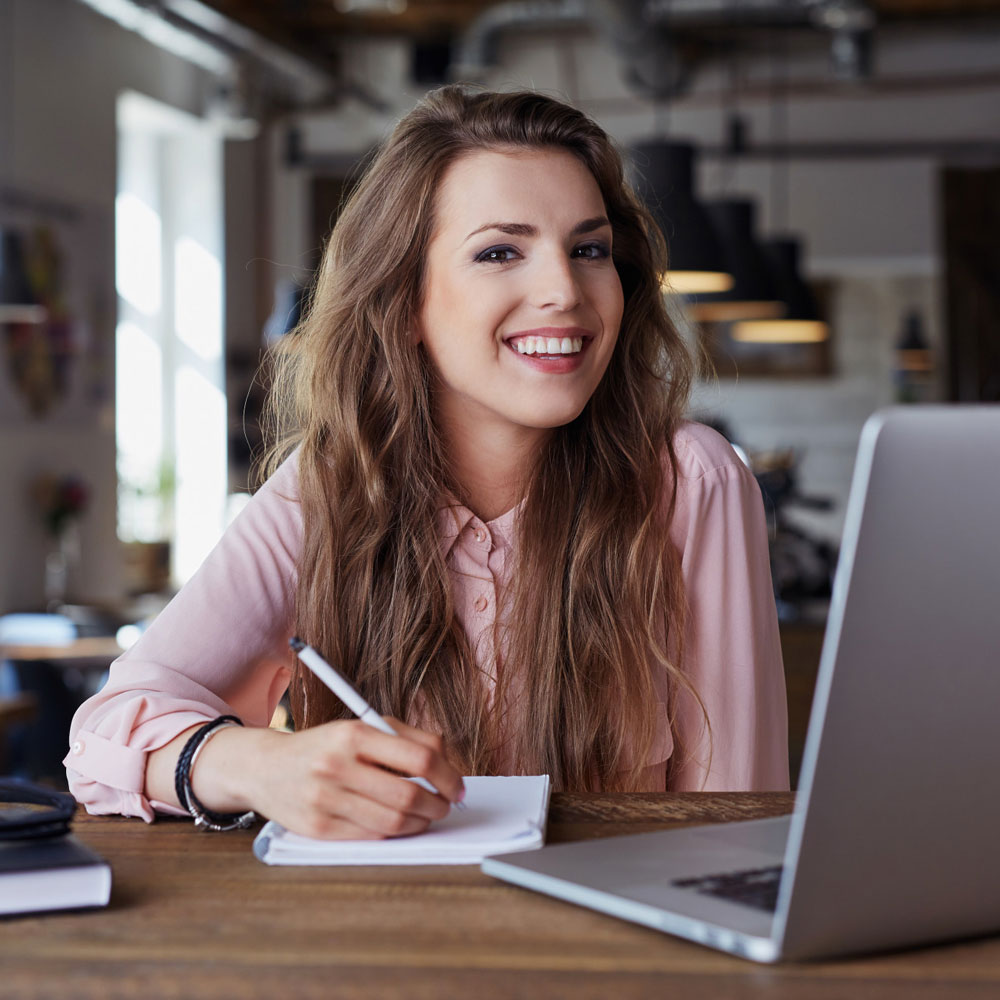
[(32, 812), (42, 866)]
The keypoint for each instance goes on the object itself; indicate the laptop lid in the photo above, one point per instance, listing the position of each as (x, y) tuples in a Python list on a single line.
[(895, 835)]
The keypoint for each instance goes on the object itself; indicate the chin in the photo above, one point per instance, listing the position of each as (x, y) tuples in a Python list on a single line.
[(553, 419)]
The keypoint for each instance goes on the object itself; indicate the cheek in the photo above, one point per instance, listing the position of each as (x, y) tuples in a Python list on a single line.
[(447, 311)]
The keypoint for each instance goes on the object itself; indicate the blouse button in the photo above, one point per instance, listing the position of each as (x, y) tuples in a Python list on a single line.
[(481, 603), (480, 535), (78, 747)]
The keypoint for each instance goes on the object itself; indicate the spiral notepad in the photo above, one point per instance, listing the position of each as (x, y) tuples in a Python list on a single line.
[(502, 814)]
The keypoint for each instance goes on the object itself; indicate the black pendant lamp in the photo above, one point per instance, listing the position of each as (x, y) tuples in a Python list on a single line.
[(754, 294), (801, 323), (664, 178), (18, 302)]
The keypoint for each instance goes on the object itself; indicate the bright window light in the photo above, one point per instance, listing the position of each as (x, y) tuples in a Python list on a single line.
[(198, 299), (137, 257), (200, 432), (139, 433), (138, 392)]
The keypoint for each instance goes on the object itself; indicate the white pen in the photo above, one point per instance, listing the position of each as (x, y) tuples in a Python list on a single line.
[(343, 690)]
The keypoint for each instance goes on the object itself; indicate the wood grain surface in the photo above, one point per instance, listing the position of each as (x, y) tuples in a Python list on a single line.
[(195, 915), (104, 648)]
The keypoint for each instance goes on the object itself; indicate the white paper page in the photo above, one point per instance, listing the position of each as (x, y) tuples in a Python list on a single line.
[(501, 814)]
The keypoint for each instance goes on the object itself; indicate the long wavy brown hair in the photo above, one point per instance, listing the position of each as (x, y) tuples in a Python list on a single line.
[(596, 604)]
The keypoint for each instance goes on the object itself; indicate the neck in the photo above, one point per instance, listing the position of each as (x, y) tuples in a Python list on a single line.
[(491, 466)]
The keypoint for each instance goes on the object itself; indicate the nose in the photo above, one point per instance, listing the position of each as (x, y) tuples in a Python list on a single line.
[(555, 284)]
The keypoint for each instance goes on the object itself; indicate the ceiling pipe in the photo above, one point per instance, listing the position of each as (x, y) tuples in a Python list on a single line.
[(851, 24), (643, 32), (201, 35), (306, 78), (652, 64), (477, 48)]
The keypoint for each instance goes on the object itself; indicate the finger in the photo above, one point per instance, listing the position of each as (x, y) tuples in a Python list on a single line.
[(435, 742), (376, 818), (411, 757), (323, 827), (395, 793), (431, 740)]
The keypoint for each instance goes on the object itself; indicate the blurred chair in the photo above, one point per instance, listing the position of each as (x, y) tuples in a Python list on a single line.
[(36, 705), (16, 711)]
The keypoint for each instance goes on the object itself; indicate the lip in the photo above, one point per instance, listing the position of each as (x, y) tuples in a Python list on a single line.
[(562, 364)]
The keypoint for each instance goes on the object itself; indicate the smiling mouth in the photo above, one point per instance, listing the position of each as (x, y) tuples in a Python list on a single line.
[(546, 346)]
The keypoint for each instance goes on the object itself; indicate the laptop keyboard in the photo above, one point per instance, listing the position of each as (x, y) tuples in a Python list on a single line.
[(757, 887)]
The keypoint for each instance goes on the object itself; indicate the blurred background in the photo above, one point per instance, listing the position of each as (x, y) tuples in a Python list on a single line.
[(827, 173)]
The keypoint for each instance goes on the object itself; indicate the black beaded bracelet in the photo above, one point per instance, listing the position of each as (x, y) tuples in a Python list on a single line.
[(205, 819)]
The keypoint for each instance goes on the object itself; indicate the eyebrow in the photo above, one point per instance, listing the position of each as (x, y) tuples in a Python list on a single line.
[(526, 229)]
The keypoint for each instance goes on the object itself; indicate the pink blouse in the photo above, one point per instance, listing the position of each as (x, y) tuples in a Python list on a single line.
[(220, 646)]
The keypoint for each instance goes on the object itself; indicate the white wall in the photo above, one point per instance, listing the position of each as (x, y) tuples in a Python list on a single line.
[(869, 224), (62, 68)]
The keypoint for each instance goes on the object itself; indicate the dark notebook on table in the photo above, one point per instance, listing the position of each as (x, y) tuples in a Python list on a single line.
[(56, 873), (42, 865)]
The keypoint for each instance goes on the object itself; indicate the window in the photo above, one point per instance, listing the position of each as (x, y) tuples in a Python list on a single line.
[(170, 402)]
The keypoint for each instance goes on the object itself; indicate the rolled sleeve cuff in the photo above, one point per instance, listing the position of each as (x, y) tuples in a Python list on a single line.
[(121, 767), (108, 777)]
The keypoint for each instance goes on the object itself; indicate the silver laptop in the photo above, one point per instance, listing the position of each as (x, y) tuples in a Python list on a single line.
[(895, 837)]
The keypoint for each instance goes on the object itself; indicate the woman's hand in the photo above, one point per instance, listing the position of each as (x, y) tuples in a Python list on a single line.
[(339, 781)]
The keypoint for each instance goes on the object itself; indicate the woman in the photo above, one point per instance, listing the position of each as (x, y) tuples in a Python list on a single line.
[(495, 524)]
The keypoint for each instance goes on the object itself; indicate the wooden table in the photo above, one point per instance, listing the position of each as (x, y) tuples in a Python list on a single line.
[(96, 649), (194, 915)]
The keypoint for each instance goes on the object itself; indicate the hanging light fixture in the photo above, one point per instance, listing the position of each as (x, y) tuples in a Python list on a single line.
[(753, 294), (665, 181), (18, 302), (801, 323)]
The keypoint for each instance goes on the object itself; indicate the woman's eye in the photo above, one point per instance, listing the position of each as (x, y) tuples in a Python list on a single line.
[(497, 255), (592, 251)]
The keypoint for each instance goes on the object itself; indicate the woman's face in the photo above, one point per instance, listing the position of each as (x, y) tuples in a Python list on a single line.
[(521, 301)]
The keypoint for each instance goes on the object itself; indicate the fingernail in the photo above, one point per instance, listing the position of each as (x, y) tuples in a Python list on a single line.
[(461, 794)]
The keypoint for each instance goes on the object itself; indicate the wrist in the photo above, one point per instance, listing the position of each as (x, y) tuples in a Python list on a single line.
[(223, 778)]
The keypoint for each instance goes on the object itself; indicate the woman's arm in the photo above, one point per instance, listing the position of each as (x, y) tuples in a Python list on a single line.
[(218, 648), (330, 781), (221, 648)]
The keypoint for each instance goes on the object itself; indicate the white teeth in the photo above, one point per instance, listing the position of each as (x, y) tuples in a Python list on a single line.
[(549, 345)]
